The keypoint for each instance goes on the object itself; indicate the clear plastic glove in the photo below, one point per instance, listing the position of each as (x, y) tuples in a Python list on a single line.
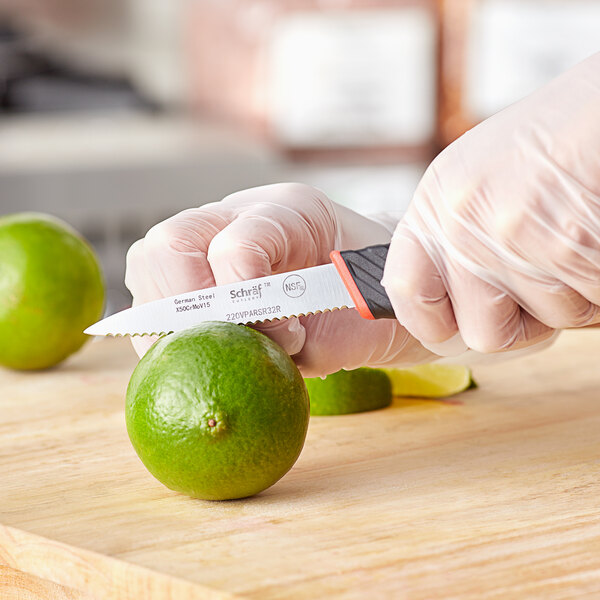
[(265, 230), (501, 243)]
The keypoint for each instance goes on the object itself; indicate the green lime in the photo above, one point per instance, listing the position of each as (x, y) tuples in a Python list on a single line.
[(431, 380), (349, 392), (218, 411), (51, 289)]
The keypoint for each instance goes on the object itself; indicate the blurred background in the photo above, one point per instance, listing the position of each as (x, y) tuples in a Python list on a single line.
[(115, 114)]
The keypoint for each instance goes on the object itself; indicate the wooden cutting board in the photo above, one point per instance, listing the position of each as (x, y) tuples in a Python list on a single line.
[(493, 494)]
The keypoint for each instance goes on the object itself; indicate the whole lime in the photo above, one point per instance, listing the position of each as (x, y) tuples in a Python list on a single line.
[(51, 289), (346, 392), (218, 411)]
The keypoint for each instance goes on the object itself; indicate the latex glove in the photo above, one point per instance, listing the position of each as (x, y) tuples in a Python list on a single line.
[(501, 243), (266, 230)]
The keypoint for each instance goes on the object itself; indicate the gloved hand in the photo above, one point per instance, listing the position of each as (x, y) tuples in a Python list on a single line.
[(265, 230), (501, 243)]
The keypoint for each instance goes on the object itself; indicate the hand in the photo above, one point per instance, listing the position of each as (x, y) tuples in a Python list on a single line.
[(501, 243), (265, 230)]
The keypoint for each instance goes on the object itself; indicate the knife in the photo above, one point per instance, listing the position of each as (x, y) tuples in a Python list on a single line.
[(351, 280)]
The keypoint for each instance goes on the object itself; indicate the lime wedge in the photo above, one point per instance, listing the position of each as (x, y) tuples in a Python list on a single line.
[(348, 392), (430, 381)]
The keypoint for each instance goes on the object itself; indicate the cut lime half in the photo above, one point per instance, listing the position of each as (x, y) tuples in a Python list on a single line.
[(346, 392)]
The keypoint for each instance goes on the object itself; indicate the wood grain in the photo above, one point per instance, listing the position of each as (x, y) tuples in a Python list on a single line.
[(37, 567), (492, 494), (17, 585)]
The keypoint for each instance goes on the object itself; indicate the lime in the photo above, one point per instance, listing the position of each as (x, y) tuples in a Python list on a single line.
[(346, 392), (51, 289), (218, 411), (430, 380)]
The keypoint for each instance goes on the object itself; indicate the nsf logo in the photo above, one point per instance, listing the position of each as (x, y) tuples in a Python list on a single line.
[(294, 286)]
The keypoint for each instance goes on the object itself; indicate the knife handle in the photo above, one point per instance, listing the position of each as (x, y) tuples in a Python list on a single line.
[(362, 271)]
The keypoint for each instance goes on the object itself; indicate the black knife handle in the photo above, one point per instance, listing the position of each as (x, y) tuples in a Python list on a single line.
[(362, 271)]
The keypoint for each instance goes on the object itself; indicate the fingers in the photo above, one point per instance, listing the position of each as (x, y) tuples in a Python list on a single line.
[(417, 291), (342, 339), (434, 304), (561, 287), (141, 345), (289, 334), (303, 202), (143, 289), (552, 302), (138, 279), (488, 319), (249, 247), (171, 259), (249, 234), (270, 235), (277, 228), (176, 249), (555, 282)]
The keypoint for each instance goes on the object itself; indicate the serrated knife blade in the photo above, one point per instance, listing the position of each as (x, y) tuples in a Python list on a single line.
[(351, 281)]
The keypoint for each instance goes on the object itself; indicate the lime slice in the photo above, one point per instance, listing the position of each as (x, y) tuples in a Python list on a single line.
[(430, 380), (348, 392)]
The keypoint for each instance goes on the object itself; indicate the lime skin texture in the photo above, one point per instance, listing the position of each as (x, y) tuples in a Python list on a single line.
[(51, 289), (217, 412)]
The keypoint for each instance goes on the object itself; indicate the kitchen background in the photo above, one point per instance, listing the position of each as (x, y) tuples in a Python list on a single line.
[(115, 114)]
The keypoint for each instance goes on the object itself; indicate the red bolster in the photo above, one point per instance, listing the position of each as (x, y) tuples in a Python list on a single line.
[(348, 280)]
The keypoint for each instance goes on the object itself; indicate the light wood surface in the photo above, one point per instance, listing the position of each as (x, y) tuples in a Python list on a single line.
[(492, 494), (17, 585)]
